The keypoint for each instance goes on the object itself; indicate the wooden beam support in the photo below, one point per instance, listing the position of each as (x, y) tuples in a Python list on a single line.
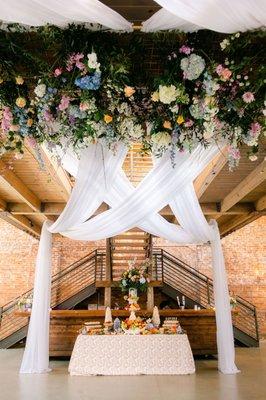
[(22, 222), (260, 204), (58, 174), (19, 187), (254, 179), (238, 222), (204, 180)]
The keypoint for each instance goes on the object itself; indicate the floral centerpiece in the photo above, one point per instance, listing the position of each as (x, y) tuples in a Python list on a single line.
[(135, 277), (25, 302)]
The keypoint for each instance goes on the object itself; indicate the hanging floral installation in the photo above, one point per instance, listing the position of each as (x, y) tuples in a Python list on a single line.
[(92, 95)]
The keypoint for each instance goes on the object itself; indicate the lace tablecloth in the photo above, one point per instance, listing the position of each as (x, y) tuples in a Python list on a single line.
[(132, 355)]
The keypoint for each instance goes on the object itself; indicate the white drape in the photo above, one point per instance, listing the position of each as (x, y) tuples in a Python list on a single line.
[(225, 16), (100, 178), (61, 13)]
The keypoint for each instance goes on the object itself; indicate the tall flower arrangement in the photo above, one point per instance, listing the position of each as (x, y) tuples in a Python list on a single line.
[(135, 277)]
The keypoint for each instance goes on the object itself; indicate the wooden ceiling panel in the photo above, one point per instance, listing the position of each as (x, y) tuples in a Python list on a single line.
[(226, 181), (256, 194), (35, 177)]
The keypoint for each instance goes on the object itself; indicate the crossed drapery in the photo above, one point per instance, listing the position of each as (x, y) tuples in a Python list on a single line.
[(100, 178)]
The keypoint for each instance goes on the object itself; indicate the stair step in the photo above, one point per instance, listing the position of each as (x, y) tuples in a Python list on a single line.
[(129, 256), (133, 251), (130, 237), (141, 245)]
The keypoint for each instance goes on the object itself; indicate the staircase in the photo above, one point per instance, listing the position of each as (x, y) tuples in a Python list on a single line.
[(180, 279), (78, 281), (126, 247), (69, 287)]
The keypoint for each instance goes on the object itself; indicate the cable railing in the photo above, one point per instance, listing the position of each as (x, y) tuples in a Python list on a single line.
[(199, 289), (64, 285)]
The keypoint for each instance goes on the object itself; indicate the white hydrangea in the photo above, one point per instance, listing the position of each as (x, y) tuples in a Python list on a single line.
[(92, 61), (128, 128), (161, 139), (167, 94), (40, 90), (192, 66)]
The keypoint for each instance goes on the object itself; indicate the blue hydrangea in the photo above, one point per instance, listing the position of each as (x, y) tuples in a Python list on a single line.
[(89, 82)]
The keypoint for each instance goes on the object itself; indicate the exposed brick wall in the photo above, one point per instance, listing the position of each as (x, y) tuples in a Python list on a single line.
[(18, 252), (244, 251), (245, 260)]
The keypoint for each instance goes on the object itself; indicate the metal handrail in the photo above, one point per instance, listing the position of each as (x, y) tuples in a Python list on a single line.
[(57, 276), (169, 264)]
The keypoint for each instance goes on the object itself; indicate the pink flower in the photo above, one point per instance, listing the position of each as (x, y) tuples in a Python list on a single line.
[(248, 97), (6, 119), (234, 152), (47, 116), (226, 74), (219, 69), (255, 129), (185, 50), (74, 59), (32, 142), (64, 103), (83, 106), (57, 72), (188, 123)]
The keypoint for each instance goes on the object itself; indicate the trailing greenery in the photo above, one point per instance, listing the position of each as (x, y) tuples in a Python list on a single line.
[(168, 90)]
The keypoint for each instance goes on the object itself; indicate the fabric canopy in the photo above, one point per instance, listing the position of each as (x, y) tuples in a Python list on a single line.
[(99, 177), (224, 16), (61, 13)]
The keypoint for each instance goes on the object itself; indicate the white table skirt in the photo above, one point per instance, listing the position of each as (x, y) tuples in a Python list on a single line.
[(132, 355)]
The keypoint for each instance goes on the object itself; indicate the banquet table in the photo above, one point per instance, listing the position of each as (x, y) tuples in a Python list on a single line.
[(132, 355)]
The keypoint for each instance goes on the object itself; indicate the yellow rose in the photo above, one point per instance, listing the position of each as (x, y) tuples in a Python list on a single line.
[(167, 125), (1, 80), (155, 96), (180, 119), (129, 91), (30, 122), (21, 102), (19, 80), (108, 118)]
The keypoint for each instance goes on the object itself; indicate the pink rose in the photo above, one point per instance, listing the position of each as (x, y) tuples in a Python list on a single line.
[(64, 103), (6, 119), (248, 97), (58, 72), (226, 74)]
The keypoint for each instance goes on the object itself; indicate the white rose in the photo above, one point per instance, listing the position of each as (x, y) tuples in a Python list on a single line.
[(92, 61), (40, 90), (167, 94)]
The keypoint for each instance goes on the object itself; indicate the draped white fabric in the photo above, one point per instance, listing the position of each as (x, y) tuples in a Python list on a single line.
[(100, 178), (225, 16), (61, 13)]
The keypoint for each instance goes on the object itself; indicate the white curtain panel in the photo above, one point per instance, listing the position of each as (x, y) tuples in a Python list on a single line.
[(226, 16), (61, 13), (100, 178)]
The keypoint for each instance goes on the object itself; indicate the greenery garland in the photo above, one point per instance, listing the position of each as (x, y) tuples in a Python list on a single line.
[(89, 86)]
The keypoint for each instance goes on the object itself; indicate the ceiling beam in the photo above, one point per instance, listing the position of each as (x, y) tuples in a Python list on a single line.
[(21, 222), (238, 222), (203, 181), (260, 204), (26, 195), (57, 173), (254, 179), (57, 208)]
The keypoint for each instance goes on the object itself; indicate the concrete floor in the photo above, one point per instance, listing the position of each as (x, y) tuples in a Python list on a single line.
[(206, 384)]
